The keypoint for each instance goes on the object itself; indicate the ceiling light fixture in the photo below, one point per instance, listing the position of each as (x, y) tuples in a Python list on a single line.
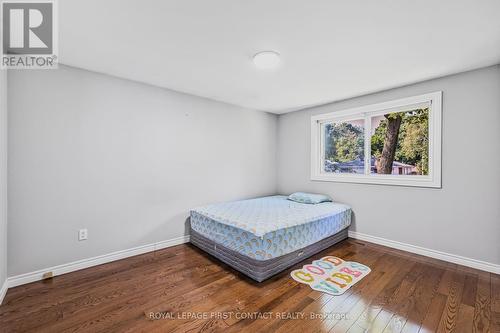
[(267, 60)]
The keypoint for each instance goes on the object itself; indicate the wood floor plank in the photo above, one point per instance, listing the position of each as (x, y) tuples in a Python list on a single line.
[(421, 299), (470, 290), (432, 318), (482, 308), (465, 319), (454, 291), (395, 301), (404, 293), (495, 302)]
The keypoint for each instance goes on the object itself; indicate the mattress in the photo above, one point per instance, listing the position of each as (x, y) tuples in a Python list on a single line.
[(269, 227)]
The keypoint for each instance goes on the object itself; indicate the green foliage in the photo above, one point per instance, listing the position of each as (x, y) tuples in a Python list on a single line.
[(413, 140), (344, 142)]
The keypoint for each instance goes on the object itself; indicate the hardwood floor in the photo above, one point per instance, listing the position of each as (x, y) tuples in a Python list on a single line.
[(182, 289)]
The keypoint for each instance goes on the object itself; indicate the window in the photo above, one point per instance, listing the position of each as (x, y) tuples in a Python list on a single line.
[(394, 143)]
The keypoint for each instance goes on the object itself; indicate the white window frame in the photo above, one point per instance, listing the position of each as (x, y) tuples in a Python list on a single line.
[(433, 179)]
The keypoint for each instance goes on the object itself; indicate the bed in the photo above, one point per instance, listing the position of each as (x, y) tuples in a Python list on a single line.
[(263, 236)]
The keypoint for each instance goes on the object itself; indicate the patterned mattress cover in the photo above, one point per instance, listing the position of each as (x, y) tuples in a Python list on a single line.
[(269, 227)]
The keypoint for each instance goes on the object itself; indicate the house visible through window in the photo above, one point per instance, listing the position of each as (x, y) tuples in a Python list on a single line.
[(396, 143)]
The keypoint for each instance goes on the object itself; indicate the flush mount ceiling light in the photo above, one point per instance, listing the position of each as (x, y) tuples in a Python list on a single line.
[(266, 60)]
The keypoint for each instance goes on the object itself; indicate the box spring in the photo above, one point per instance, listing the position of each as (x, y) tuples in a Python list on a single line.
[(260, 270)]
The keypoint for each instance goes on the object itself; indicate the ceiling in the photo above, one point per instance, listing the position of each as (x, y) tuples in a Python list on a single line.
[(330, 49)]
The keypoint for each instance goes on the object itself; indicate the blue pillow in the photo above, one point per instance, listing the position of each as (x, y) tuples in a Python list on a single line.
[(309, 198)]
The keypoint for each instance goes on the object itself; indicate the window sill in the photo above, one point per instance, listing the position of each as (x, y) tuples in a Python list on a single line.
[(412, 181)]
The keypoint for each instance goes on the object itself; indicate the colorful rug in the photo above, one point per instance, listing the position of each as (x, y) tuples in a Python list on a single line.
[(331, 275)]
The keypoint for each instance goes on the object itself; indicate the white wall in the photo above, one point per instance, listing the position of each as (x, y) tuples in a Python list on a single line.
[(3, 177), (123, 159), (462, 218)]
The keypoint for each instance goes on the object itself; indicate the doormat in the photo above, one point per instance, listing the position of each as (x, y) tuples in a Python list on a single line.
[(331, 275)]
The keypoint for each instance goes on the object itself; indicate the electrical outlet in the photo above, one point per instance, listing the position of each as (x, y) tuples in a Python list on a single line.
[(83, 234)]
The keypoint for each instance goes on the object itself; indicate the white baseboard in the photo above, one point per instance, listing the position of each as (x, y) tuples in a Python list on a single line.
[(3, 291), (477, 264), (18, 280)]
